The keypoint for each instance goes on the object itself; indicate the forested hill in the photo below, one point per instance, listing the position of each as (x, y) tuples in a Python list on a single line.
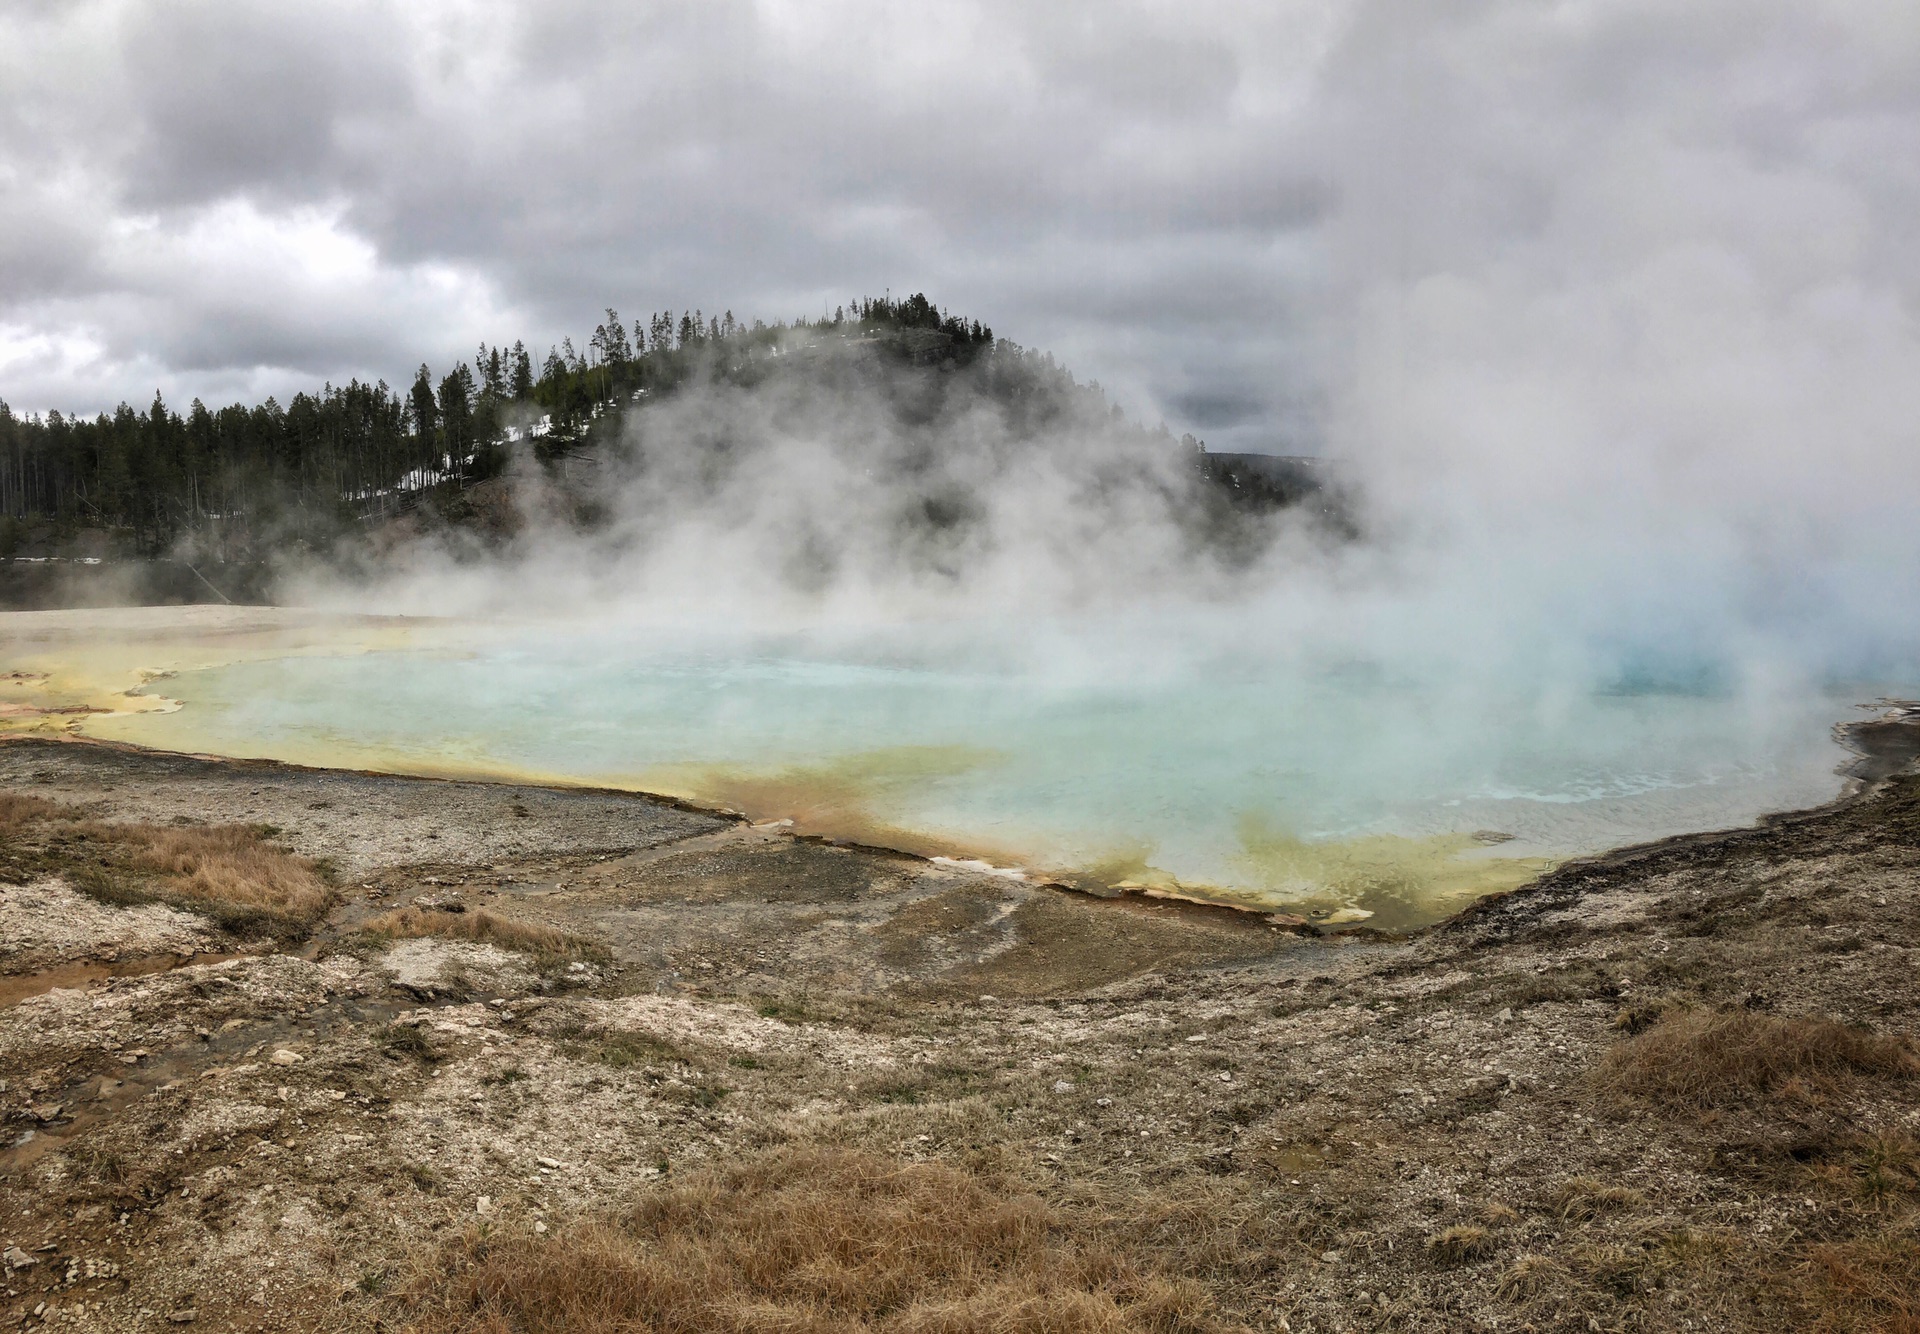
[(239, 479)]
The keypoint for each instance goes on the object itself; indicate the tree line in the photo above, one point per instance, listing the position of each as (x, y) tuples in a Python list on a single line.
[(305, 471)]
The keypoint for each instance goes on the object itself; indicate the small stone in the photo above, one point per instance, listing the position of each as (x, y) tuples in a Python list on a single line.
[(19, 1259), (538, 1226), (1505, 1015), (185, 1316), (553, 1163), (44, 1111), (285, 1057), (1063, 1086), (1226, 1076), (1197, 1037), (485, 1205)]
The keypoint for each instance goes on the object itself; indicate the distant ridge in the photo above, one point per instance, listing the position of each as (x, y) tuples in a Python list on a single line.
[(1267, 480)]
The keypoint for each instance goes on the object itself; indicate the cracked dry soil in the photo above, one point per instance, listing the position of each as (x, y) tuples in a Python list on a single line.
[(1470, 1129)]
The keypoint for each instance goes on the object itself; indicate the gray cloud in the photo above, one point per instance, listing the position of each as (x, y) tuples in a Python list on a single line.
[(1422, 232)]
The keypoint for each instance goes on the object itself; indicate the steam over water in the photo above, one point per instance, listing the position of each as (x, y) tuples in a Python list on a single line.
[(1299, 780)]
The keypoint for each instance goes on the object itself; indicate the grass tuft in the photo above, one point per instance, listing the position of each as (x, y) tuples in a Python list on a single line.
[(483, 927), (1869, 1283), (1694, 1058), (18, 809), (1580, 1198), (1461, 1245), (1528, 1276), (229, 871), (829, 1242)]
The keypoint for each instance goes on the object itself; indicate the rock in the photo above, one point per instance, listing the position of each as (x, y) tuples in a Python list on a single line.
[(1505, 1015), (1063, 1086), (484, 1205), (538, 1226), (19, 1259), (44, 1111), (553, 1163), (185, 1316), (285, 1057)]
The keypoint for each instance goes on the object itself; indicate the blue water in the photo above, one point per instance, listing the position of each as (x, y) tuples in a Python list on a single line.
[(1151, 761)]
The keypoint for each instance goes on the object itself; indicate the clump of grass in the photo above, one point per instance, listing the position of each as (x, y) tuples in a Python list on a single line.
[(398, 1040), (1580, 1198), (482, 927), (624, 1050), (1695, 1058), (229, 873), (822, 1241), (787, 1011), (229, 870), (698, 1093), (1867, 1283), (1880, 1171), (1461, 1245), (18, 809), (1527, 1277), (1640, 1015)]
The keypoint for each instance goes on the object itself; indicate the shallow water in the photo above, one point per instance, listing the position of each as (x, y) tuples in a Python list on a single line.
[(1283, 780)]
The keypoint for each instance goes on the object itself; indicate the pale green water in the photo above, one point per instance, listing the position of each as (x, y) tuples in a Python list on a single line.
[(1282, 780)]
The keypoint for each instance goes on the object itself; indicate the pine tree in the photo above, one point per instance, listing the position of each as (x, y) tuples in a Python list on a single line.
[(522, 385), (426, 416)]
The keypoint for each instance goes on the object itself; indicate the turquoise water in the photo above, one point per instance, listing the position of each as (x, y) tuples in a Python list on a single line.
[(1158, 768)]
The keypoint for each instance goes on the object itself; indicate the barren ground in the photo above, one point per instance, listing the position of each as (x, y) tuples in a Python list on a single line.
[(1589, 1105)]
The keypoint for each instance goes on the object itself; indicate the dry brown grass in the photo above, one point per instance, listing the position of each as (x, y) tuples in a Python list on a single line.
[(17, 809), (1529, 1276), (1867, 1284), (808, 1242), (230, 869), (229, 873), (483, 927), (1460, 1245), (1696, 1058), (1580, 1198)]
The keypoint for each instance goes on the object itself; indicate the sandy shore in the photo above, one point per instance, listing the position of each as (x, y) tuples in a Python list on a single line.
[(1432, 1134)]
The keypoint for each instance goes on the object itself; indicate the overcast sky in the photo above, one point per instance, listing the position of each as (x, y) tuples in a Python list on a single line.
[(1634, 228)]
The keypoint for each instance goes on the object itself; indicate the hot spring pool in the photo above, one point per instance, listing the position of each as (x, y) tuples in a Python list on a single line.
[(1303, 782)]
